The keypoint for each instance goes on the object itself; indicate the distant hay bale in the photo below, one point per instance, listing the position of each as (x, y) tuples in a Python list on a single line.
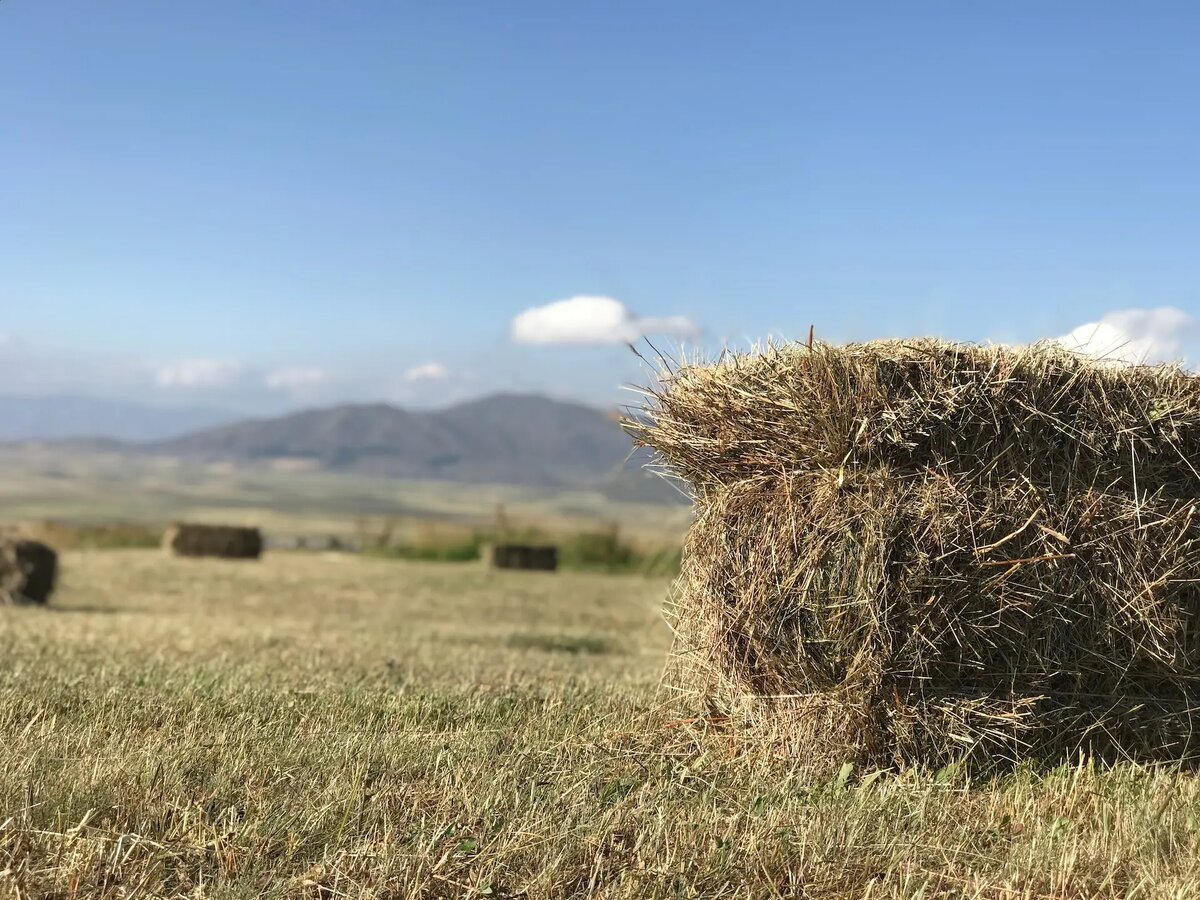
[(227, 541), (915, 552), (542, 558), (28, 571)]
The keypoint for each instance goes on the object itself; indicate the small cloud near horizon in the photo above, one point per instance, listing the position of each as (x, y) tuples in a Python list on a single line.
[(1135, 336), (585, 320), (194, 374), (296, 378), (431, 371)]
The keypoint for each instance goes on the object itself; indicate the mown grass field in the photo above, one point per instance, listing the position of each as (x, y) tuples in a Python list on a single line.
[(55, 483), (331, 726)]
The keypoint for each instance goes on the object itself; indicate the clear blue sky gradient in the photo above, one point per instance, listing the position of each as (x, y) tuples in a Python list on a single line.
[(365, 185)]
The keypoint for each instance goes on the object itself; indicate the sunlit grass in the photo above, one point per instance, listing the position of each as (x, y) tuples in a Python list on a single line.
[(327, 726)]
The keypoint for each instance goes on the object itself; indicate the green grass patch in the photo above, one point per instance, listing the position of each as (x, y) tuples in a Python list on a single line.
[(596, 550), (93, 535)]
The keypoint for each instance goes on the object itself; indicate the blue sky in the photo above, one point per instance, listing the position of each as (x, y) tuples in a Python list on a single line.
[(278, 203)]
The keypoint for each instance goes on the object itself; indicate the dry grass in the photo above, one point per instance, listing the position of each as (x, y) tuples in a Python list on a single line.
[(918, 552), (329, 726), (74, 486)]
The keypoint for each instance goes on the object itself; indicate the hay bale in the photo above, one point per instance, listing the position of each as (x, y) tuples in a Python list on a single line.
[(226, 541), (918, 552), (542, 558), (28, 570)]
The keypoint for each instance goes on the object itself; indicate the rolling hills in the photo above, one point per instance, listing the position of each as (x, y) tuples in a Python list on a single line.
[(70, 417), (501, 439)]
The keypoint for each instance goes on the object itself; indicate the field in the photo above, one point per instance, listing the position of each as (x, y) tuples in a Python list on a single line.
[(47, 482), (337, 726)]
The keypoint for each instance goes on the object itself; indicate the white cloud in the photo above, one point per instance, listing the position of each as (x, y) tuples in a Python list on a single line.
[(1135, 336), (198, 373), (296, 378), (593, 320), (13, 345), (431, 371)]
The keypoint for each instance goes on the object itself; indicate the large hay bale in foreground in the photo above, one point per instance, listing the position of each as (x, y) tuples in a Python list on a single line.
[(28, 571), (917, 552), (541, 558), (227, 541)]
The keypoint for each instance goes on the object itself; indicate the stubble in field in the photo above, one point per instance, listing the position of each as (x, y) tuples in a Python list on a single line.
[(330, 726)]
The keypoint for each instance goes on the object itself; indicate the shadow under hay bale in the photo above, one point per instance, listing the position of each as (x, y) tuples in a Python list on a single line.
[(912, 553), (28, 571), (225, 541), (541, 558)]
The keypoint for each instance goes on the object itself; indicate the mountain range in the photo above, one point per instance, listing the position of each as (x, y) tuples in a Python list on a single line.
[(501, 439), (64, 416)]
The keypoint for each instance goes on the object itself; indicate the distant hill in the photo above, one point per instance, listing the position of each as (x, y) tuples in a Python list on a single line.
[(61, 417), (504, 439)]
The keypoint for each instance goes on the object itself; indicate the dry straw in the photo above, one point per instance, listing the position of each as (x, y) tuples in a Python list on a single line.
[(915, 552), (536, 557), (228, 541), (28, 570)]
